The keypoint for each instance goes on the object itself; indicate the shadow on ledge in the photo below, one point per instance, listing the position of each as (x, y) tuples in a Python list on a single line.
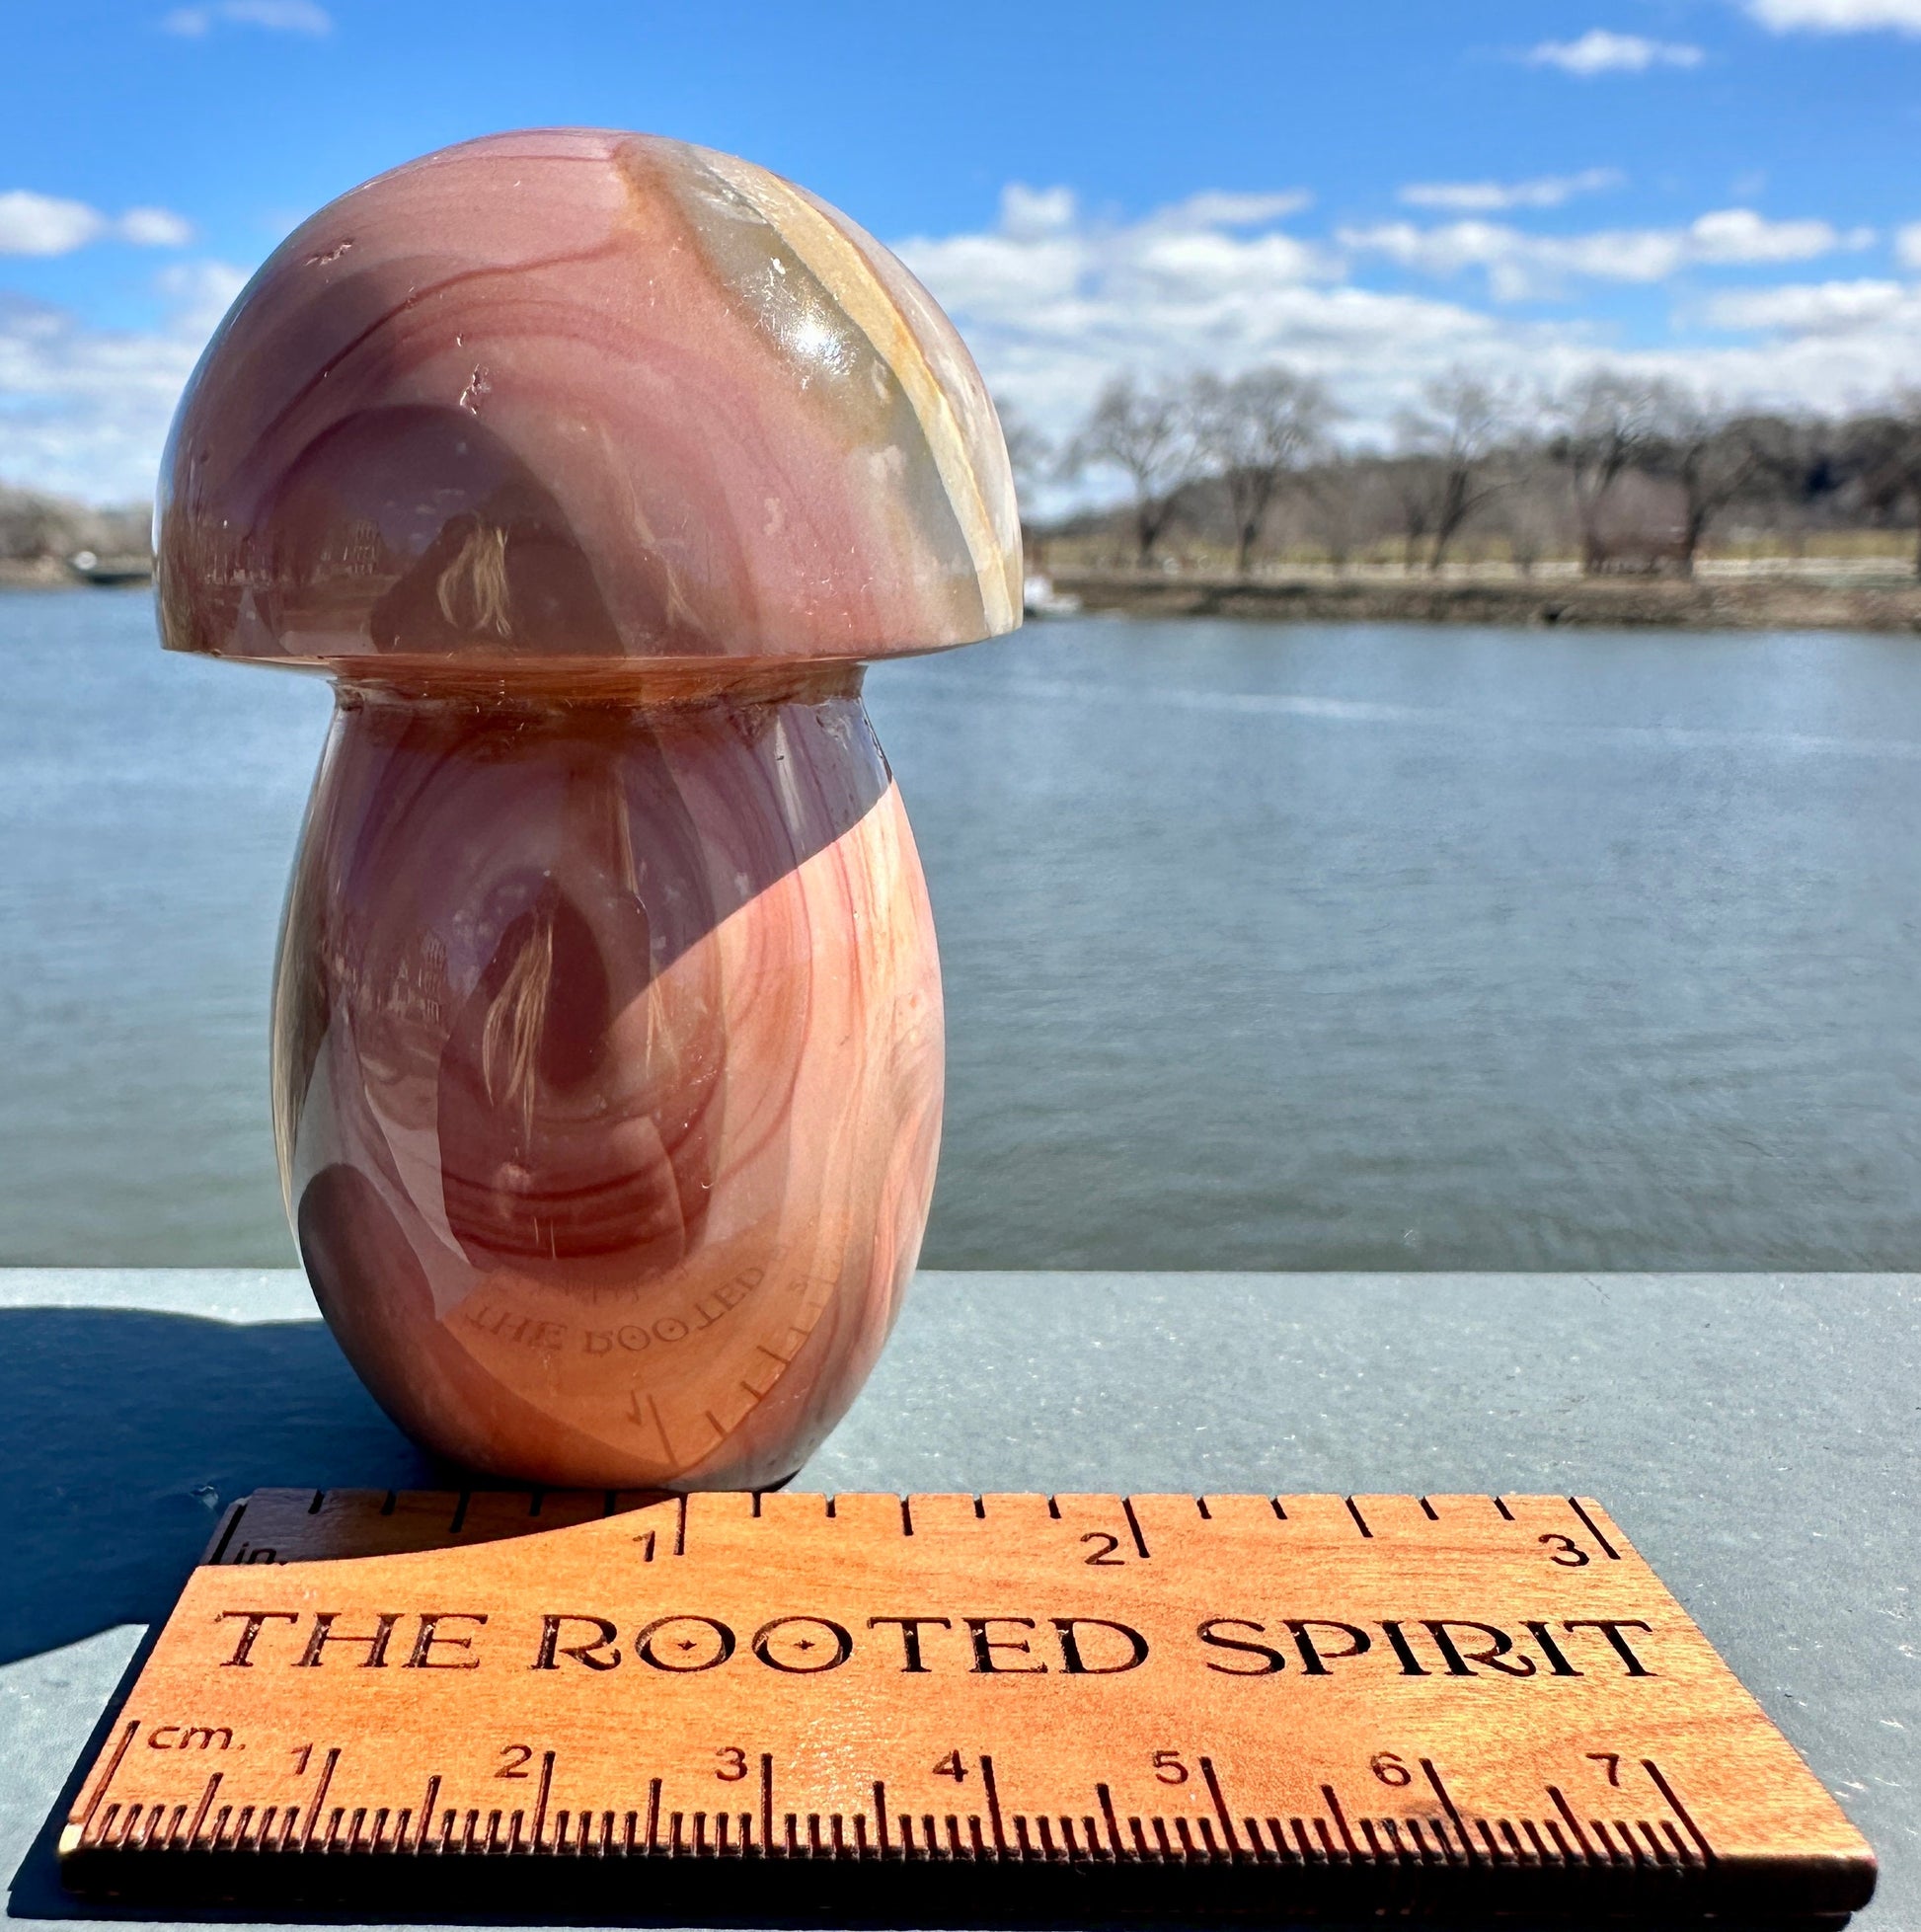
[(124, 1434)]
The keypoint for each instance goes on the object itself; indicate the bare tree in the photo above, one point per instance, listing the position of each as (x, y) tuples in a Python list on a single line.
[(1256, 431), (1606, 427), (1711, 454), (1532, 513), (1413, 485), (35, 525), (1450, 442), (1145, 433), (1033, 460), (1348, 504), (1890, 443)]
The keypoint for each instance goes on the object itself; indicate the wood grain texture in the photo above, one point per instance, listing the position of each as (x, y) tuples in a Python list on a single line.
[(1267, 1701), (607, 1073)]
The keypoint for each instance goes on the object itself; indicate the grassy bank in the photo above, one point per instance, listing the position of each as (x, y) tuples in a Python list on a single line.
[(1757, 602)]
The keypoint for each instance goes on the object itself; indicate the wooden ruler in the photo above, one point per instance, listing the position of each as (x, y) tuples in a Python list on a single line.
[(941, 1702)]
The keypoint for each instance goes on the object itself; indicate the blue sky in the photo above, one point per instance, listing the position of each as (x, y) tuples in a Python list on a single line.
[(1378, 190)]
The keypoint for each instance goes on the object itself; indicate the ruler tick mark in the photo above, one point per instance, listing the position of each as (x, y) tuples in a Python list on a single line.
[(1134, 1526), (320, 1795), (993, 1806), (112, 1765), (1679, 1810), (205, 1806), (541, 1796), (1220, 1802), (1440, 1791), (226, 1535), (1340, 1819), (1593, 1529), (1360, 1522)]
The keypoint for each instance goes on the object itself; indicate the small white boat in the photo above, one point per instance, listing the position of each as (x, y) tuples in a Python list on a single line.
[(1041, 599), (111, 571)]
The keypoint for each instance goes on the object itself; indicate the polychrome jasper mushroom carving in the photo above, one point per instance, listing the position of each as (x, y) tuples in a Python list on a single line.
[(607, 1052)]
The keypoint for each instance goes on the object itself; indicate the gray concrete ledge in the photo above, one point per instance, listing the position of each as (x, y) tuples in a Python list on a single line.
[(1759, 1436)]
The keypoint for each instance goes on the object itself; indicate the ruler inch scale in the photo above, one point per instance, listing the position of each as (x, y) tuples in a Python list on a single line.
[(1005, 1705)]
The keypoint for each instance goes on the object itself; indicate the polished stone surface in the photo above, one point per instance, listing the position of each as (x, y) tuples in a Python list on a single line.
[(576, 395), (607, 1074), (1756, 1436), (607, 1047)]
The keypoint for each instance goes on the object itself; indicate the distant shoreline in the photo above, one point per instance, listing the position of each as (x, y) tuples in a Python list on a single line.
[(1803, 602), (52, 574)]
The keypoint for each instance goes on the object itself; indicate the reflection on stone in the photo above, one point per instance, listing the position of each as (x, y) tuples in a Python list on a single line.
[(607, 1022)]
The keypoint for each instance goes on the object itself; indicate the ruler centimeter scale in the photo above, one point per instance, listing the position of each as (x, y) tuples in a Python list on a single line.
[(1233, 1701)]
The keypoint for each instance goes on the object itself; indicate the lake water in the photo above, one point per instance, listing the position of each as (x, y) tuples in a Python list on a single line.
[(1265, 946)]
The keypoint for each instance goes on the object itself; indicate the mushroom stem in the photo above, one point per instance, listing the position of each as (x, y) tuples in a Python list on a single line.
[(608, 1067)]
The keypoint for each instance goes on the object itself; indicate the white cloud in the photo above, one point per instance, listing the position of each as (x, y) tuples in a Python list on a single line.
[(1742, 235), (1522, 267), (1046, 259), (84, 410), (1836, 16), (276, 16), (1598, 51), (1907, 246), (154, 228), (1027, 212), (42, 224), (45, 224), (1053, 303), (1817, 308), (1215, 209), (200, 293), (1491, 196)]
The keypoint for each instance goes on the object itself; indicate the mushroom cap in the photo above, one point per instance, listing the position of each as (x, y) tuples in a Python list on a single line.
[(590, 395)]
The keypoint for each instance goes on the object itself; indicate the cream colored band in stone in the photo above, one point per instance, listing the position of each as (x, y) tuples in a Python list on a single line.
[(842, 271)]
